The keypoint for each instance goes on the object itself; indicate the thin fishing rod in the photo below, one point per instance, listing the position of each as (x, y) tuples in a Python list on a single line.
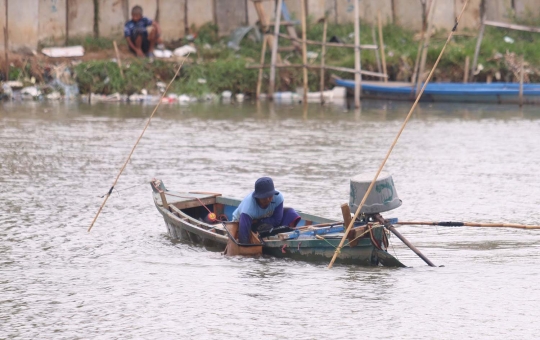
[(136, 143), (338, 249)]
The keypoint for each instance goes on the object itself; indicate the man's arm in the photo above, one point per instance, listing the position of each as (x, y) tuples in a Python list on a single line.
[(276, 218), (134, 47), (244, 228), (157, 27)]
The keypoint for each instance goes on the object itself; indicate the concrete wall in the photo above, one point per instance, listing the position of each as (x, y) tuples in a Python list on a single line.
[(111, 17), (23, 25), (526, 8), (230, 14), (31, 21), (52, 21), (80, 17), (200, 12), (172, 18)]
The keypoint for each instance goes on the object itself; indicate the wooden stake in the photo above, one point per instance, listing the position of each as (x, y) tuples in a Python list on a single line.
[(477, 48), (368, 191), (259, 79), (521, 83), (414, 78), (381, 46), (136, 143), (323, 53), (357, 75), (304, 50), (466, 70), (427, 38), (377, 55), (118, 60), (272, 84)]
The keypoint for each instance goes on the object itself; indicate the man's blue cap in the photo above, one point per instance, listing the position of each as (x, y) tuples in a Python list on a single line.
[(264, 187)]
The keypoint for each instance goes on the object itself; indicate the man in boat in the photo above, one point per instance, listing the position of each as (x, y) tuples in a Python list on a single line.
[(140, 41), (262, 210)]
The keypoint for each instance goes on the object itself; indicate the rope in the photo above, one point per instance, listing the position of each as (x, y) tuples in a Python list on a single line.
[(117, 191), (398, 135), (136, 143)]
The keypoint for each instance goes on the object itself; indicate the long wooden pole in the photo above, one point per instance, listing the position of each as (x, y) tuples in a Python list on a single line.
[(470, 224), (272, 84), (323, 53), (381, 46), (357, 75), (329, 44), (466, 73), (259, 79), (136, 143), (427, 38), (419, 95), (304, 50), (478, 44)]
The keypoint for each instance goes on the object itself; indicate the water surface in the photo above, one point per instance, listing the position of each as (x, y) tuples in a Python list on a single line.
[(128, 279)]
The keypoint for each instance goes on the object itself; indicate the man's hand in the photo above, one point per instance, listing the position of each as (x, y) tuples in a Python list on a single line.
[(139, 53)]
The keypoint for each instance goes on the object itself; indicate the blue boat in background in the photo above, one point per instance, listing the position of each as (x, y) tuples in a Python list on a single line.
[(500, 93)]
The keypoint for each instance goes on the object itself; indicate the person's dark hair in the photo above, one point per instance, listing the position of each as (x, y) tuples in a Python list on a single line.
[(136, 10)]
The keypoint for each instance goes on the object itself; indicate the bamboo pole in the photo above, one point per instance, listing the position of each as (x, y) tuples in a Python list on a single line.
[(512, 26), (259, 79), (326, 67), (420, 45), (466, 72), (427, 38), (357, 75), (368, 191), (470, 224), (118, 60), (477, 48), (134, 146), (404, 240), (381, 46), (329, 44), (304, 50), (377, 56), (521, 83), (323, 53), (272, 84)]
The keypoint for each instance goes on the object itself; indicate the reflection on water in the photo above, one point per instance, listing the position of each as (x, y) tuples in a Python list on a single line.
[(128, 279)]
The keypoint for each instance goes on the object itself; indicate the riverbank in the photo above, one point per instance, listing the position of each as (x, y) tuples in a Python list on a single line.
[(215, 67)]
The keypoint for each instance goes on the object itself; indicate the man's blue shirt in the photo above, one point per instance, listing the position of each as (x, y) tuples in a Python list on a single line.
[(131, 27)]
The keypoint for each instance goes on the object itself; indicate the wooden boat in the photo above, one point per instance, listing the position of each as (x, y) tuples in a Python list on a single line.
[(499, 93), (315, 239)]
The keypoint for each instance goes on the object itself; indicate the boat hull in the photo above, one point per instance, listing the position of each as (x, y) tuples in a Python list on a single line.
[(497, 93)]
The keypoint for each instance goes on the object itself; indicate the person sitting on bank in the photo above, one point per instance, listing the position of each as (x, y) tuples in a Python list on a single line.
[(140, 41), (263, 207)]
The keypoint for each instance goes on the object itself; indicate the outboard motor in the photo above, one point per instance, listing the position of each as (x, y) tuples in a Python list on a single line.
[(383, 196)]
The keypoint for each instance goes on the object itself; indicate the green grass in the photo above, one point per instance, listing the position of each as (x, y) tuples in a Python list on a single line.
[(224, 69)]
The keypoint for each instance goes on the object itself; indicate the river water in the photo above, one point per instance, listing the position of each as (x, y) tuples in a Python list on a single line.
[(128, 280)]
